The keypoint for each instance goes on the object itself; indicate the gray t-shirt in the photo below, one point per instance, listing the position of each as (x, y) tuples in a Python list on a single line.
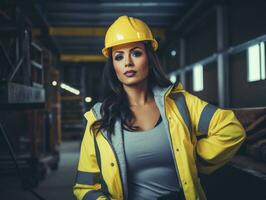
[(151, 170)]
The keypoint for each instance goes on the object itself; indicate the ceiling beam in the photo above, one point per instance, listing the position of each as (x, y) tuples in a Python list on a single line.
[(83, 51), (80, 41), (85, 3), (92, 7), (100, 16), (91, 23), (77, 31), (92, 31), (82, 58)]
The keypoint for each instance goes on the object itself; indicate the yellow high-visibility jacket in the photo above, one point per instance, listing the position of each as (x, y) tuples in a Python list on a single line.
[(186, 118)]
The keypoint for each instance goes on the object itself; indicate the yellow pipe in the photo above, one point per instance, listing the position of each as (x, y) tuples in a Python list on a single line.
[(71, 98), (92, 31), (82, 58), (77, 31)]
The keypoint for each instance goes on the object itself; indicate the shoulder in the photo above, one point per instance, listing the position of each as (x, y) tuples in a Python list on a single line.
[(194, 104), (179, 89), (94, 112), (190, 98)]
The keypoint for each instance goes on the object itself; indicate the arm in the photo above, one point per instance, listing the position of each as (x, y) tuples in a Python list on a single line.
[(224, 138), (88, 185), (223, 134)]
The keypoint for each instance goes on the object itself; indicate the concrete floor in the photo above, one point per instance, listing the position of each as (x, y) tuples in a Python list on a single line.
[(58, 184)]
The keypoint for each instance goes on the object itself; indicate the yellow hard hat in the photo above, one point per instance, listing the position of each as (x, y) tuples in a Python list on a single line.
[(125, 30)]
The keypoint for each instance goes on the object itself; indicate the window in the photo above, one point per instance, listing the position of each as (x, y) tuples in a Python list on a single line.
[(256, 62), (198, 78)]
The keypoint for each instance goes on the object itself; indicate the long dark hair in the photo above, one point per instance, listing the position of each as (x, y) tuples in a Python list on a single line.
[(115, 102)]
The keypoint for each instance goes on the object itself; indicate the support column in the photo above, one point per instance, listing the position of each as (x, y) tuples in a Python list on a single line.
[(83, 88), (222, 59), (182, 61)]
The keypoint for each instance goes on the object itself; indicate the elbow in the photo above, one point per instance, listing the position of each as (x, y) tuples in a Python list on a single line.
[(241, 133)]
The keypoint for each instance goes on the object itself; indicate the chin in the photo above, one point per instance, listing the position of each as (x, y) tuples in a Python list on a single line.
[(133, 83)]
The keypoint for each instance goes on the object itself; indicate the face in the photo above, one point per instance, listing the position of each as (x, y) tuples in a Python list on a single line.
[(130, 62)]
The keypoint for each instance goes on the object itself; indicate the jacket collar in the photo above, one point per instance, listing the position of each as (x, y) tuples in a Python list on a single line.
[(161, 91), (158, 92)]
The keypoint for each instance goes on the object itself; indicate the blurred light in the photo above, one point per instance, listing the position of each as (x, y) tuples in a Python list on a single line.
[(173, 53), (69, 88), (88, 99), (54, 83), (173, 78)]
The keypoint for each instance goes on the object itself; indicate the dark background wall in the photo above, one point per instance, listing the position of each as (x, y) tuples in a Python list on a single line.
[(172, 62), (245, 24), (242, 92), (245, 21), (201, 39)]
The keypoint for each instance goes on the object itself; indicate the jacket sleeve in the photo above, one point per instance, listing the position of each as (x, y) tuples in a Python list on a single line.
[(87, 186), (220, 132)]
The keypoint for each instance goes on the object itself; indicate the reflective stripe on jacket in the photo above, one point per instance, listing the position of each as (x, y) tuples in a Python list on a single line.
[(187, 118)]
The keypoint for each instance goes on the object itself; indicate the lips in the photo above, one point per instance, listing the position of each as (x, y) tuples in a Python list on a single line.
[(130, 73)]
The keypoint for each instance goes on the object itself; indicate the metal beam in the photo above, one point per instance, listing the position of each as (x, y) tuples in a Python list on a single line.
[(92, 31), (106, 23), (102, 16), (83, 89), (126, 3), (80, 40), (107, 7), (85, 47), (82, 51), (82, 58), (244, 46), (77, 31), (203, 62)]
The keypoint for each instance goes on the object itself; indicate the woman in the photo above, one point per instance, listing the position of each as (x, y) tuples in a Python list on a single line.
[(149, 138)]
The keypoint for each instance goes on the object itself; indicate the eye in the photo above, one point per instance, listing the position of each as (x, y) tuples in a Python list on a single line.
[(136, 53), (119, 57)]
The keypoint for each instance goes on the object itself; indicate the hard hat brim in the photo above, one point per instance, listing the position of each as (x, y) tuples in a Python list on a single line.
[(105, 50)]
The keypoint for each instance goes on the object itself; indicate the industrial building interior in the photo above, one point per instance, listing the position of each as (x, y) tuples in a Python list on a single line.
[(50, 75)]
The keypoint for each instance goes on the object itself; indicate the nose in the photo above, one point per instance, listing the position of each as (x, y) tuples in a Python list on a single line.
[(128, 61)]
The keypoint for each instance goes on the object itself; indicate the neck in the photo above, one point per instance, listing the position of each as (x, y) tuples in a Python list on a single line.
[(138, 94)]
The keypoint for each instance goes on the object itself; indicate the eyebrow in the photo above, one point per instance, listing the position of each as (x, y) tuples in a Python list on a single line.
[(130, 49)]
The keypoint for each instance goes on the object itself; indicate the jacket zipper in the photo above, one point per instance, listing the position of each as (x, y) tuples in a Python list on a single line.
[(119, 170), (178, 175)]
